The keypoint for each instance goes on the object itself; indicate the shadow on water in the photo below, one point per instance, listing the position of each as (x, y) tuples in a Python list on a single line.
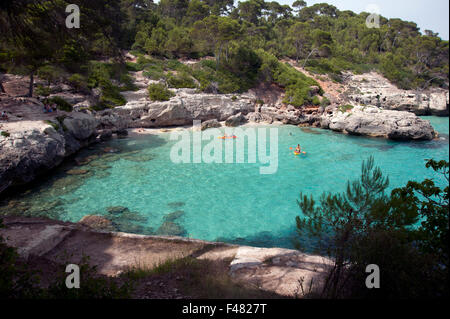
[(44, 197), (310, 130), (264, 239), (440, 142)]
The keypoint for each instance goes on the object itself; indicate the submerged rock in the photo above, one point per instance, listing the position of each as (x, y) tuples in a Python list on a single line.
[(132, 216), (77, 172), (97, 222), (116, 210), (170, 229), (173, 216), (110, 150), (85, 160), (176, 204), (132, 228), (139, 158)]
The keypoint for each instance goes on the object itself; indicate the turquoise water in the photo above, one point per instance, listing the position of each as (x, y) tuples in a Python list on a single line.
[(228, 202)]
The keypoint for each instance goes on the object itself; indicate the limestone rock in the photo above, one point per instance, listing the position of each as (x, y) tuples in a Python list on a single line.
[(210, 124), (235, 120), (370, 121)]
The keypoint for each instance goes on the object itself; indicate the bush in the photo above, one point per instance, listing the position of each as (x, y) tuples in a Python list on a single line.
[(43, 91), (345, 108), (297, 85), (62, 104), (53, 124), (158, 92), (49, 73), (127, 83), (5, 134), (111, 96), (78, 82), (316, 100), (180, 80), (325, 102)]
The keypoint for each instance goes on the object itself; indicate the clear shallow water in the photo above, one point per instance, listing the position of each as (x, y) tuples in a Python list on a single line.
[(227, 202)]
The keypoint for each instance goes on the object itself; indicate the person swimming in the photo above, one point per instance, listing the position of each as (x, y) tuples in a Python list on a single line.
[(298, 149)]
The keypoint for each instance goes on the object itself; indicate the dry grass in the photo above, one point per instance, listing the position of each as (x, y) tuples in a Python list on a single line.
[(194, 278)]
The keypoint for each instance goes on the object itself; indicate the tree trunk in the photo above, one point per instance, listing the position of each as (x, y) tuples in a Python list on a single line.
[(306, 61), (30, 89), (2, 88)]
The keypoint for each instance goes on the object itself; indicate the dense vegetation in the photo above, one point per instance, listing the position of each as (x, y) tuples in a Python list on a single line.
[(405, 234), (246, 41)]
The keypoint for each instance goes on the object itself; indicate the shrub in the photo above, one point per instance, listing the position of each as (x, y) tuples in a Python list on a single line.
[(154, 74), (158, 92), (78, 82), (325, 102), (62, 104), (127, 83), (49, 73), (5, 134), (43, 91), (316, 100), (53, 124), (297, 85), (133, 67), (345, 108), (180, 80)]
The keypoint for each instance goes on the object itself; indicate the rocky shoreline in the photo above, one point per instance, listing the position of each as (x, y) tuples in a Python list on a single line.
[(275, 270), (36, 143)]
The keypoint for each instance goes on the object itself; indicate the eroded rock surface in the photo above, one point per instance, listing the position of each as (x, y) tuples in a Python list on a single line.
[(371, 121), (271, 269), (35, 147), (373, 89)]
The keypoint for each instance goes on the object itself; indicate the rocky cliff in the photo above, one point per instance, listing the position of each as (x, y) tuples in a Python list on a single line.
[(31, 152), (373, 89)]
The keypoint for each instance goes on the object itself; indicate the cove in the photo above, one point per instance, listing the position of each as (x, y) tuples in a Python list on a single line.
[(133, 183)]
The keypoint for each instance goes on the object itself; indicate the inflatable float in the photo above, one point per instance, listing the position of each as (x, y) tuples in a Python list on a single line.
[(227, 137)]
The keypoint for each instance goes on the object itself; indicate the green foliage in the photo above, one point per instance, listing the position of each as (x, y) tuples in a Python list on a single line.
[(158, 92), (62, 104), (325, 102), (102, 75), (43, 91), (78, 82), (180, 80), (345, 108), (5, 134), (365, 226), (53, 124), (49, 73), (321, 37), (316, 100), (297, 85), (432, 203)]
